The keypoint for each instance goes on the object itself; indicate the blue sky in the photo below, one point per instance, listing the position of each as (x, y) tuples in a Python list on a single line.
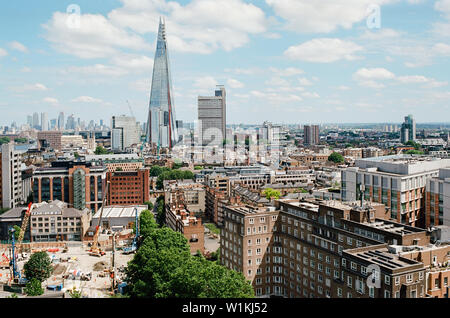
[(287, 61)]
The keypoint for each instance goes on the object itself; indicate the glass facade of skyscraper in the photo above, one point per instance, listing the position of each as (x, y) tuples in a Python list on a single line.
[(161, 127)]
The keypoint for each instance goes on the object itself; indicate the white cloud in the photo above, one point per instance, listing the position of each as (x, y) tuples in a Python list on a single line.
[(18, 46), (205, 85), (381, 34), (142, 85), (50, 100), (306, 16), (30, 87), (441, 49), (201, 26), (343, 88), (275, 97), (444, 7), (25, 69), (3, 52), (234, 83), (86, 99), (310, 95), (305, 82), (323, 50), (367, 77), (96, 37), (371, 77), (136, 63), (290, 71), (97, 69)]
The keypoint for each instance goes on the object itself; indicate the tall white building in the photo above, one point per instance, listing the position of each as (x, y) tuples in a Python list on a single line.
[(124, 132), (61, 121), (212, 117), (44, 121), (11, 176)]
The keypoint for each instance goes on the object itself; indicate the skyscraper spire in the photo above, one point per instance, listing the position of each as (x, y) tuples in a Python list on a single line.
[(161, 128)]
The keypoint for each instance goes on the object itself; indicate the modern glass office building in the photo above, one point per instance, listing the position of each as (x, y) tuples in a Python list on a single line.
[(161, 124)]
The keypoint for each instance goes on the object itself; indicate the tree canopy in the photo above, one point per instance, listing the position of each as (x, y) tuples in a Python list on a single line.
[(271, 194), (101, 151), (4, 140), (414, 144), (38, 266), (173, 175), (336, 158), (164, 267)]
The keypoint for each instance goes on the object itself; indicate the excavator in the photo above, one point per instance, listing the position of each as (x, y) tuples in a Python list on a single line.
[(95, 248)]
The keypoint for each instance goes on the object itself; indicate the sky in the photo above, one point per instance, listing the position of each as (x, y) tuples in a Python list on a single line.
[(285, 61)]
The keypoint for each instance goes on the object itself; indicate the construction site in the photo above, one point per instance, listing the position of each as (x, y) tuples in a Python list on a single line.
[(73, 266)]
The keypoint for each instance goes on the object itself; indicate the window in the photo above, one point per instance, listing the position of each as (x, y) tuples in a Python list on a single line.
[(251, 221), (397, 281), (339, 292), (387, 294), (353, 266), (409, 278)]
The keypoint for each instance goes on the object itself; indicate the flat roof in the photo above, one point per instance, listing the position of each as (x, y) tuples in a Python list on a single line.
[(124, 211), (382, 257)]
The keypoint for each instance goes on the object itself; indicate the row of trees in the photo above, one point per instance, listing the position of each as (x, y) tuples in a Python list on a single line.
[(173, 175), (164, 267)]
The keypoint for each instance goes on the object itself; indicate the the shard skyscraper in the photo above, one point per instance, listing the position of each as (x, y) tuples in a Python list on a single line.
[(161, 123)]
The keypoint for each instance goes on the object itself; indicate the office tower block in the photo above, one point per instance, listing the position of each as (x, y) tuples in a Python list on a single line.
[(61, 121), (36, 121), (408, 130), (161, 123), (30, 121), (311, 135), (10, 178), (212, 117), (44, 121), (124, 132)]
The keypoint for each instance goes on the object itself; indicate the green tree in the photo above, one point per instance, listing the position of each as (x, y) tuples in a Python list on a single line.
[(75, 293), (4, 140), (161, 211), (34, 287), (149, 205), (16, 231), (101, 151), (200, 278), (336, 158), (414, 152), (271, 194), (147, 223), (414, 144), (38, 266), (155, 171), (164, 267), (149, 272), (21, 140)]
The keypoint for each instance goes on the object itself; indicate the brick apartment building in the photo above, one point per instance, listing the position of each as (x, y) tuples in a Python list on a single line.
[(52, 139), (79, 184), (180, 219), (128, 187), (310, 249)]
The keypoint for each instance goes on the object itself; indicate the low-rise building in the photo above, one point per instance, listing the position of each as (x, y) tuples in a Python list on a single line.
[(128, 187), (56, 221)]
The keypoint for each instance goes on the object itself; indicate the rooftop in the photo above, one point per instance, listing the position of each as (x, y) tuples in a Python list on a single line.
[(118, 211), (381, 256)]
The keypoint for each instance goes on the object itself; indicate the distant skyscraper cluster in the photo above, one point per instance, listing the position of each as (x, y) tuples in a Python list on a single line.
[(161, 124)]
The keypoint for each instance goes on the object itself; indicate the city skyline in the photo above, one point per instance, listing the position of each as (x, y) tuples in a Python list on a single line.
[(318, 70)]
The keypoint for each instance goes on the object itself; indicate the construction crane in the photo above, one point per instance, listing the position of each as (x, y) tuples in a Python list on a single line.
[(131, 110), (95, 249), (25, 222), (133, 247), (15, 272)]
